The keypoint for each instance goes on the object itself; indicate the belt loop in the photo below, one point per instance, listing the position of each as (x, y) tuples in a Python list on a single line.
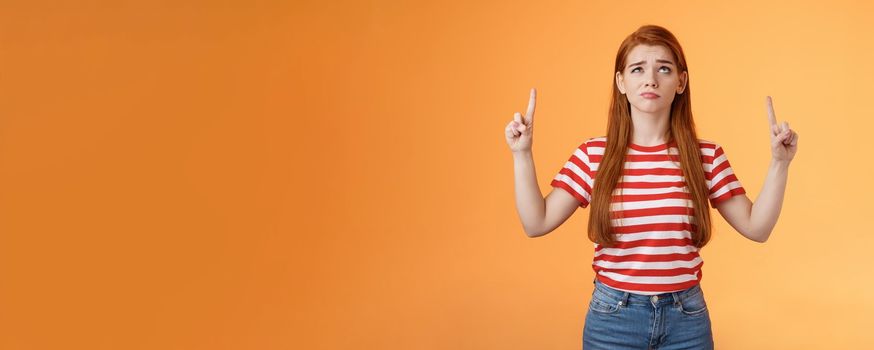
[(624, 299), (676, 298)]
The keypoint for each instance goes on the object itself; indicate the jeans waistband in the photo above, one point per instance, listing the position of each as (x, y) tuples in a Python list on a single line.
[(623, 297)]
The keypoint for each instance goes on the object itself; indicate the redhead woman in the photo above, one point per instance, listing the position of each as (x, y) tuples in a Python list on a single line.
[(650, 182)]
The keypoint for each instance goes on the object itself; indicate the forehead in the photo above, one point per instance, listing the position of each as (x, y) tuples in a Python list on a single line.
[(649, 53)]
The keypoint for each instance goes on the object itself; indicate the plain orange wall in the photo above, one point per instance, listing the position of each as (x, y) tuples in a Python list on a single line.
[(334, 175)]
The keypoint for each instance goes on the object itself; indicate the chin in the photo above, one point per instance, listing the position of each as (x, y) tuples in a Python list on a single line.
[(649, 108)]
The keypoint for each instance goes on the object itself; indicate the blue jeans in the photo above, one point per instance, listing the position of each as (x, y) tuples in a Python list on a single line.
[(621, 320)]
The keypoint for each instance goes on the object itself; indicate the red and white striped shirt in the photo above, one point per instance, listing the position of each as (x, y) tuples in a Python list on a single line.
[(654, 252)]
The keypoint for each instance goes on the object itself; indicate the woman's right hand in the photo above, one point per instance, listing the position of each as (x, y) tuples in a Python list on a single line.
[(520, 131)]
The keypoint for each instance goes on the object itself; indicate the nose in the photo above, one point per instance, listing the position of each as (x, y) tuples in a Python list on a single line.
[(651, 80)]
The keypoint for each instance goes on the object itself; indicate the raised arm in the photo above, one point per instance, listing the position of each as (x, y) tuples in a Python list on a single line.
[(539, 216), (756, 220)]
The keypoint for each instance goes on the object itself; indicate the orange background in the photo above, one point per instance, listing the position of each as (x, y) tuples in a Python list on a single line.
[(334, 175)]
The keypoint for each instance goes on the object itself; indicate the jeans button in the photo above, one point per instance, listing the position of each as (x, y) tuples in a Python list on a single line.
[(655, 298)]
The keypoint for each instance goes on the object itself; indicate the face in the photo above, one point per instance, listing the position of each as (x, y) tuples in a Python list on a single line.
[(650, 79)]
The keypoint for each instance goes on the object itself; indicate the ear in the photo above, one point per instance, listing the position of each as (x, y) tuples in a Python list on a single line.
[(684, 77), (620, 83)]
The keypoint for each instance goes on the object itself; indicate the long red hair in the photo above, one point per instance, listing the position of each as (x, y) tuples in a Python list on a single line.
[(619, 130)]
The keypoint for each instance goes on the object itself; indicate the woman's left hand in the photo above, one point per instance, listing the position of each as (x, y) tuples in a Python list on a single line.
[(784, 141)]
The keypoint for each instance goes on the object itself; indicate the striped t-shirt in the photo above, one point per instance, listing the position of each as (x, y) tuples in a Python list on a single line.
[(654, 252)]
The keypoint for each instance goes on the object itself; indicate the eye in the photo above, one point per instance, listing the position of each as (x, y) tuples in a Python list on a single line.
[(666, 68), (635, 68)]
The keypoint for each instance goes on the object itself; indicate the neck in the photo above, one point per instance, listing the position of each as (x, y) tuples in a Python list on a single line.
[(649, 129)]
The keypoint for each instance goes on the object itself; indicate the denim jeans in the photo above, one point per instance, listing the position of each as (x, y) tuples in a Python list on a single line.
[(668, 321)]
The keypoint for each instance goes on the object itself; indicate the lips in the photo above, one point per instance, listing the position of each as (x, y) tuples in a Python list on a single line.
[(649, 95)]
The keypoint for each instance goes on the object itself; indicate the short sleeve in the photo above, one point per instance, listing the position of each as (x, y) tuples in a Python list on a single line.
[(720, 177), (576, 177)]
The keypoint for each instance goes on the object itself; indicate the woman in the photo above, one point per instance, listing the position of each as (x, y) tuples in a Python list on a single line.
[(650, 213)]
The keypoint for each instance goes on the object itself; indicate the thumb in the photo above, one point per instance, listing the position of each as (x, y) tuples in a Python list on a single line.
[(519, 124), (782, 136), (521, 127)]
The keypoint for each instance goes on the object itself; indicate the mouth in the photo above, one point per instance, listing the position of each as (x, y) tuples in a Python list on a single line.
[(649, 95)]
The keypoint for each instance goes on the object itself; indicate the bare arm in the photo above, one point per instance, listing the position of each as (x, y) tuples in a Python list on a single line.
[(539, 216), (756, 220)]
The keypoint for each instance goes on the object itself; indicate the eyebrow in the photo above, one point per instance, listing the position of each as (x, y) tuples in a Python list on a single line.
[(642, 62)]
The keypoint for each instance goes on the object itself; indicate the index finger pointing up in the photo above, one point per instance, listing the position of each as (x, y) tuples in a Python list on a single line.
[(772, 119), (529, 115)]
